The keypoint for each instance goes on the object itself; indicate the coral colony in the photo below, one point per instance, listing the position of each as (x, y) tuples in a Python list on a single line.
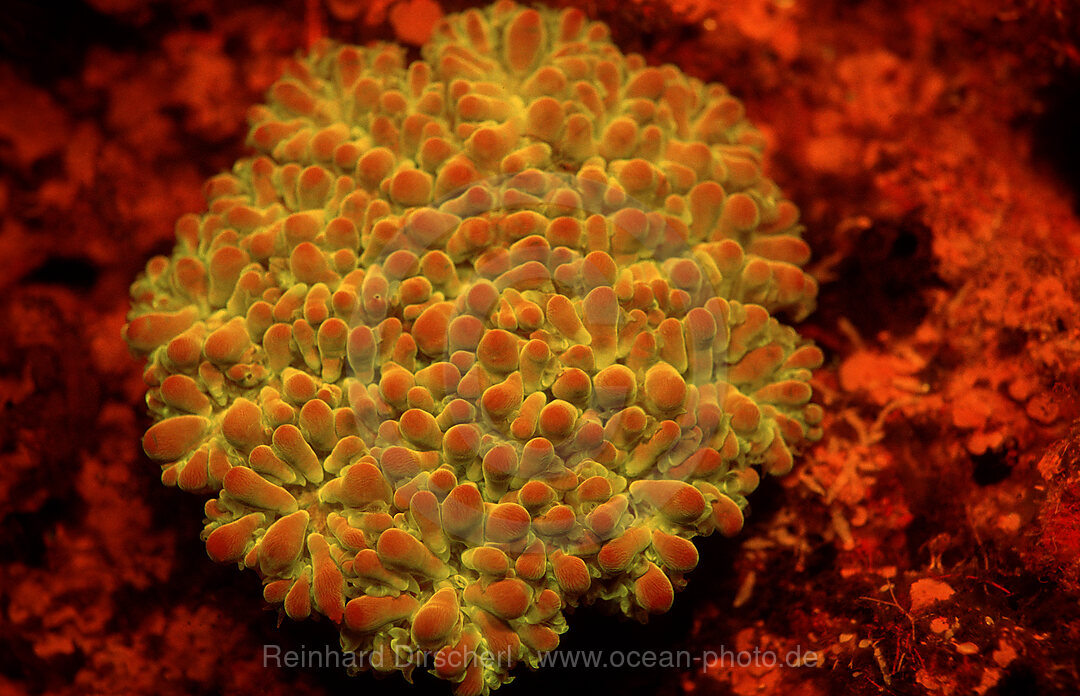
[(480, 338)]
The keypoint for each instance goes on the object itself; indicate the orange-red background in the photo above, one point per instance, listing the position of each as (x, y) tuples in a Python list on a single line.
[(928, 545)]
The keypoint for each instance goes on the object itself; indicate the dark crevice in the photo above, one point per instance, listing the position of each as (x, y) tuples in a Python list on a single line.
[(1055, 138), (24, 535), (1019, 680), (75, 273), (49, 40), (992, 466), (881, 283)]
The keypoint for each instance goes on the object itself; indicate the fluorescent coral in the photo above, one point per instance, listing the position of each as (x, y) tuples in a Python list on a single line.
[(480, 338)]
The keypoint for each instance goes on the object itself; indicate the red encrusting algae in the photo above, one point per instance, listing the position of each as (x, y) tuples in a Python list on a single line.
[(928, 147)]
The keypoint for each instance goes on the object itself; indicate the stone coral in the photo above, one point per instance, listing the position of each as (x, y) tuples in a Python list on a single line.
[(477, 339)]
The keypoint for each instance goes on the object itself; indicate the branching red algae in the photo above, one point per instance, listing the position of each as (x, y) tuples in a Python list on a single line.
[(479, 338)]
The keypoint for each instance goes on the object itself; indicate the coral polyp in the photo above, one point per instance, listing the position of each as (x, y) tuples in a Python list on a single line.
[(473, 340)]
